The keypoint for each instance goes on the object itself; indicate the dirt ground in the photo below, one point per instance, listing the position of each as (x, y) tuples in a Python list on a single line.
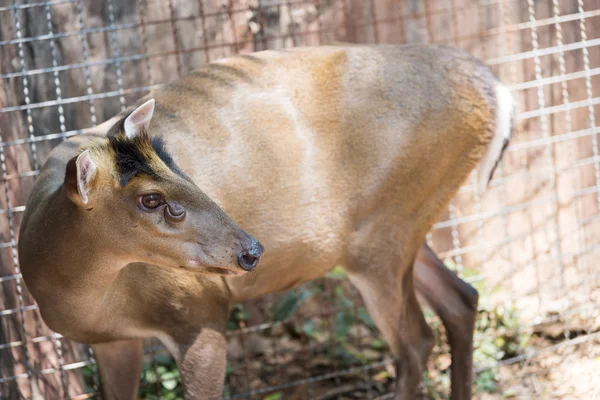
[(559, 371), (557, 360), (321, 344), (564, 372)]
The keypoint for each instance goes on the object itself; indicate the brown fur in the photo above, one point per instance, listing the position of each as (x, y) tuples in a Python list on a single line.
[(331, 155)]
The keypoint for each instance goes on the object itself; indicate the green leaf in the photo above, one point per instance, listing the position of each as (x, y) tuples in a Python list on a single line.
[(366, 319), (500, 342), (309, 328), (240, 313), (169, 396), (161, 369), (170, 379), (232, 325), (150, 376), (237, 314), (288, 304), (378, 344), (342, 301), (336, 273), (170, 384), (243, 315), (167, 375), (467, 272), (343, 322), (274, 396), (89, 371), (450, 264), (486, 381), (346, 355)]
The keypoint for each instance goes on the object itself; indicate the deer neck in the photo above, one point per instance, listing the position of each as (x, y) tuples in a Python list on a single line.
[(77, 260)]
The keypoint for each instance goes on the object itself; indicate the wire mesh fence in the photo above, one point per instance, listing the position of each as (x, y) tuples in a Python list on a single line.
[(528, 243)]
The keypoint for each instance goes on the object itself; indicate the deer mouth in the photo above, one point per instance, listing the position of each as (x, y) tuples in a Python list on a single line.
[(196, 265)]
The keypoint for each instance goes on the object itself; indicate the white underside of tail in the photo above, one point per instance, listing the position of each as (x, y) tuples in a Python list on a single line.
[(505, 108)]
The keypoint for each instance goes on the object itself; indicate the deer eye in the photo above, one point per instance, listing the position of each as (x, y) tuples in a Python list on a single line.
[(151, 201)]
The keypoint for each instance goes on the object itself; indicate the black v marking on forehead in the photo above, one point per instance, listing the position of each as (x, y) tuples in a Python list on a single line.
[(133, 156), (158, 144)]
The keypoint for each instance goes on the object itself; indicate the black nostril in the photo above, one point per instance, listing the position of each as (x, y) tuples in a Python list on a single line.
[(247, 261), (249, 258)]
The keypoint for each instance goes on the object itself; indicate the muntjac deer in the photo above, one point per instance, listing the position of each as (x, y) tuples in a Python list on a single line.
[(341, 155)]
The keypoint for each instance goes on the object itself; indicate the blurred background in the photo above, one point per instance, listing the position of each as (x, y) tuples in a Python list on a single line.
[(528, 244)]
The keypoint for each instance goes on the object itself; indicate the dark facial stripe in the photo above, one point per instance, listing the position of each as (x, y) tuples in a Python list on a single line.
[(130, 157), (133, 156), (158, 144)]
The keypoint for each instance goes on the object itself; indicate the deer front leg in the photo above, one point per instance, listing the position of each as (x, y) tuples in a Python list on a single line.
[(120, 367), (202, 365), (455, 302), (196, 338), (187, 312)]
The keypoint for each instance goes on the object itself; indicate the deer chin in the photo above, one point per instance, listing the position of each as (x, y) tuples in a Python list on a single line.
[(226, 271)]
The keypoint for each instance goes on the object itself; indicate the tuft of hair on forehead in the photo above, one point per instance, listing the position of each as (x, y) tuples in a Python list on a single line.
[(130, 157), (133, 157)]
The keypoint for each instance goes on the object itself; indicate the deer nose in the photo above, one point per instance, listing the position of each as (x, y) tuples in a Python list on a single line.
[(248, 259)]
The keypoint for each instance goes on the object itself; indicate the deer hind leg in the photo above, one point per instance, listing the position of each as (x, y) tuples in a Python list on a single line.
[(385, 282), (455, 302), (120, 367)]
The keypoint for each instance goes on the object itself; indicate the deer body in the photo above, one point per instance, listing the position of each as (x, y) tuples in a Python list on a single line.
[(330, 155)]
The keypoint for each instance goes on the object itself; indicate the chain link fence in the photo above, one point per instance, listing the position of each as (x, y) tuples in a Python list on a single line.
[(529, 243)]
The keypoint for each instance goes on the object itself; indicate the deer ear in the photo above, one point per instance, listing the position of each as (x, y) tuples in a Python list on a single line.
[(80, 174), (139, 119)]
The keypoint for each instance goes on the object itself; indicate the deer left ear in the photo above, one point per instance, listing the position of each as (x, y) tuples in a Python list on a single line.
[(139, 119), (79, 178)]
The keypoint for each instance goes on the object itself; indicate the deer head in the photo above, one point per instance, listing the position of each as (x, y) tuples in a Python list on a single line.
[(128, 189)]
